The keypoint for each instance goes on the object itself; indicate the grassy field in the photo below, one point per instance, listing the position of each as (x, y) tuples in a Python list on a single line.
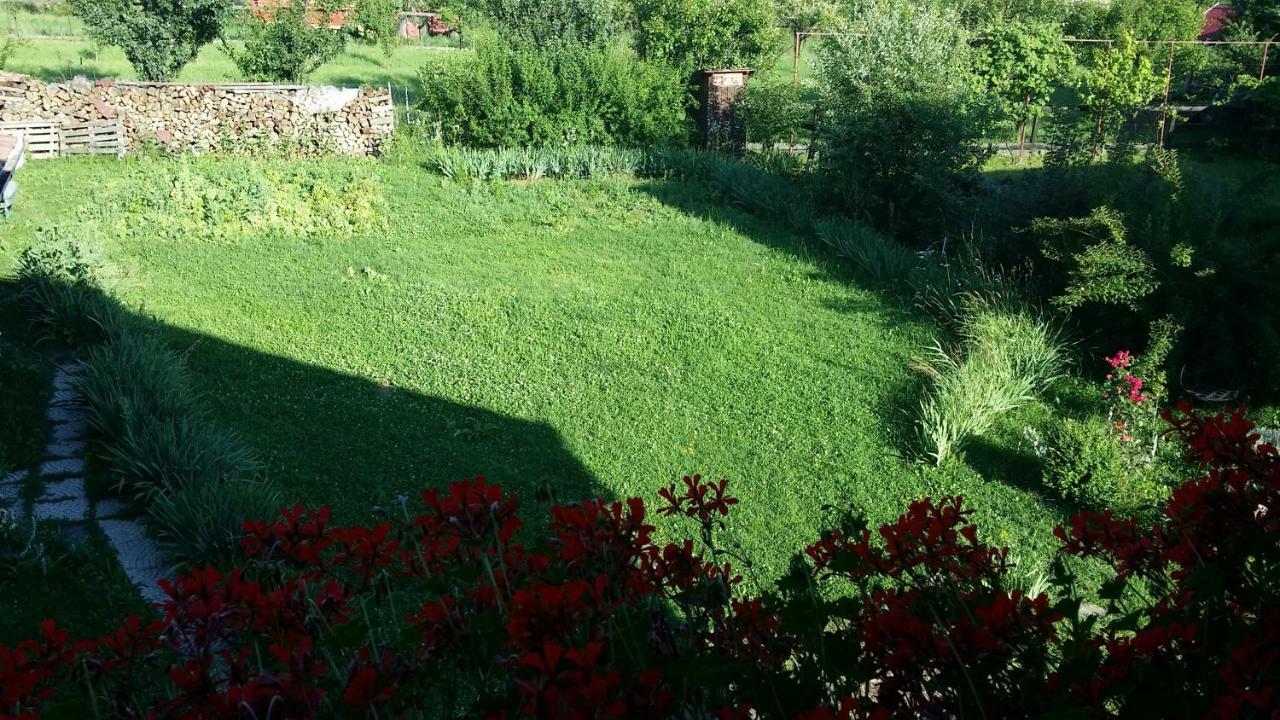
[(56, 60), (563, 338)]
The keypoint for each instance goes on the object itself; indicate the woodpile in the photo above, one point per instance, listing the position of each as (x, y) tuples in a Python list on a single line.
[(209, 118)]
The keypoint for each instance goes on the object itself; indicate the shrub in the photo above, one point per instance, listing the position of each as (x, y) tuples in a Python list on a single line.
[(158, 37), (593, 617), (905, 122), (1003, 359), (506, 96), (773, 111), (283, 46), (551, 23), (1084, 463), (1094, 262), (8, 48), (699, 34)]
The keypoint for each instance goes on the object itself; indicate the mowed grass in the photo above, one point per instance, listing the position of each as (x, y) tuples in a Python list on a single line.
[(566, 339)]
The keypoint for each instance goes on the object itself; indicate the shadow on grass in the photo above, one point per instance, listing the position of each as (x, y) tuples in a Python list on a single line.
[(331, 438)]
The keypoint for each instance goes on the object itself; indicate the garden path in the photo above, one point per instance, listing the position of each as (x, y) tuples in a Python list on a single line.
[(62, 497)]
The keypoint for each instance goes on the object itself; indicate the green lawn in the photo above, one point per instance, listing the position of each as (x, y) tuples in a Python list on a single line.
[(563, 338), (360, 64)]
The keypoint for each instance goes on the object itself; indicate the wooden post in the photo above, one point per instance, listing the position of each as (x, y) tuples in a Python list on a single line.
[(1022, 128), (1262, 71), (795, 62), (1097, 130), (1164, 110)]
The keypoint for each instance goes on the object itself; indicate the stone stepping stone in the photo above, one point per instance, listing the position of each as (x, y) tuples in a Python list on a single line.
[(16, 476), (65, 414), (69, 489), (67, 449), (72, 430), (63, 381), (10, 493), (65, 397), (111, 507), (140, 556), (65, 466), (69, 510)]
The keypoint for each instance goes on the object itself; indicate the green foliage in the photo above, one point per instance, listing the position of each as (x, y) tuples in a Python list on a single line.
[(876, 255), (59, 279), (1020, 64), (906, 123), (284, 47), (8, 46), (700, 34), (1261, 16), (1086, 463), (193, 198), (551, 23), (809, 15), (1099, 265), (506, 96), (1003, 359), (200, 522), (1118, 81), (589, 161), (1154, 19), (378, 21), (773, 111), (158, 37)]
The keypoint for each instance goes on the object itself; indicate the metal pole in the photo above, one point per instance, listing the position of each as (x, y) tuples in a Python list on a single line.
[(1262, 72), (1022, 127)]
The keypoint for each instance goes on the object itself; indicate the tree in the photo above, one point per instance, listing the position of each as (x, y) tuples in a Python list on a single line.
[(1018, 64), (378, 21), (693, 34), (158, 37), (905, 114), (545, 23), (283, 46), (1262, 15), (799, 16)]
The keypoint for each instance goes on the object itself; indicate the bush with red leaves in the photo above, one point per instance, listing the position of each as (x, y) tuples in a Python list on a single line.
[(448, 613)]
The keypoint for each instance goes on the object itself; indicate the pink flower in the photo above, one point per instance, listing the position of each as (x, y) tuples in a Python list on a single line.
[(1121, 359)]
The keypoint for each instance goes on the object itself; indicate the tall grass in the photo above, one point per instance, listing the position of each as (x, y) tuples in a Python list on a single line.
[(1003, 358)]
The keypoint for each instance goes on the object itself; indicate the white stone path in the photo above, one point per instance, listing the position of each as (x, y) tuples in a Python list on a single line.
[(63, 500)]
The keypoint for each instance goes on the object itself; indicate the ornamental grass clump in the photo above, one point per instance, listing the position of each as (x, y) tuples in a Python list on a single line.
[(1003, 359)]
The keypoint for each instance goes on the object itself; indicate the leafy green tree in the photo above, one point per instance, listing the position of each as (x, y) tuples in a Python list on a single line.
[(799, 16), (158, 37), (1019, 65), (1262, 16), (378, 21), (905, 116), (693, 34), (546, 23), (1119, 83), (284, 47), (1155, 19)]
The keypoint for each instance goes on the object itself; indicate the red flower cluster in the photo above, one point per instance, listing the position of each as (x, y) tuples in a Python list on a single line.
[(450, 610)]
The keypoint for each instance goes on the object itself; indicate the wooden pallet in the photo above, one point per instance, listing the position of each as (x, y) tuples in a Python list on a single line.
[(96, 137), (43, 139)]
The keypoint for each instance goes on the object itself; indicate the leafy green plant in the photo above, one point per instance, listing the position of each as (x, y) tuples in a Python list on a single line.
[(551, 23), (1002, 360), (772, 110), (511, 96), (20, 547), (283, 46), (1097, 262), (1021, 64), (904, 119), (876, 255), (1085, 463), (378, 21), (9, 46), (158, 37), (201, 522), (698, 34)]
